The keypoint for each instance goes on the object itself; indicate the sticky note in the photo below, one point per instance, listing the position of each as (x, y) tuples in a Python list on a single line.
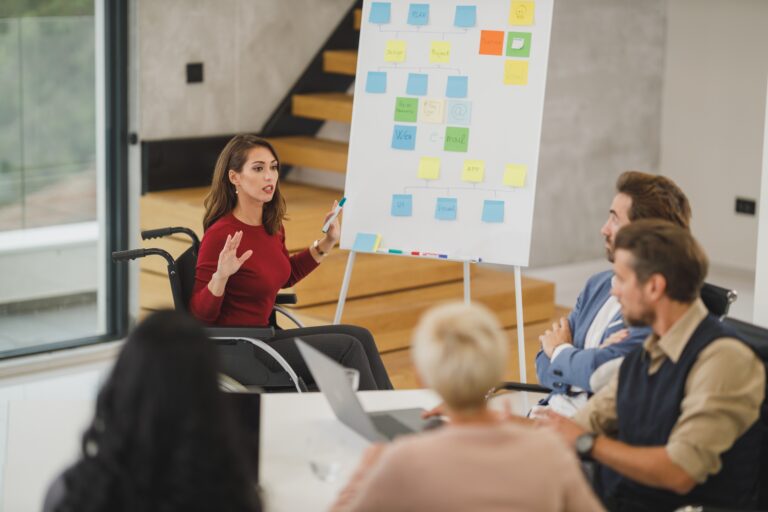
[(516, 72), (395, 51), (491, 42), (429, 168), (417, 84), (514, 175), (432, 111), (521, 12), (459, 112), (473, 171), (406, 109), (493, 211), (404, 137), (456, 139), (418, 14), (380, 13), (446, 208), (457, 87), (366, 242), (440, 52), (376, 82), (402, 205), (518, 44), (466, 16)]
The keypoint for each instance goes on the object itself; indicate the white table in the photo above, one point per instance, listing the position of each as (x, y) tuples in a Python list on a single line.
[(44, 438)]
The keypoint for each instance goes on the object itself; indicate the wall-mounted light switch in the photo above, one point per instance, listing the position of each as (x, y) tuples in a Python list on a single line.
[(194, 72)]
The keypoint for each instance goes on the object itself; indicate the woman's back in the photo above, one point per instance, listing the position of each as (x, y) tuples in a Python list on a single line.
[(502, 466)]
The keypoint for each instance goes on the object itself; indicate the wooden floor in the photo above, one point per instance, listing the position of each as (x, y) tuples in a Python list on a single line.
[(403, 374)]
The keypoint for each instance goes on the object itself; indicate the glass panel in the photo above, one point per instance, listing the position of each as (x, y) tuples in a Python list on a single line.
[(49, 242)]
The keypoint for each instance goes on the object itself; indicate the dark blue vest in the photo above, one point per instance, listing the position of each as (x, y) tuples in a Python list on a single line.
[(648, 407)]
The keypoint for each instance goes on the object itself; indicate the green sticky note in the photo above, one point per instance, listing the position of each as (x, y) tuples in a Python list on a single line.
[(518, 44), (405, 109), (456, 139)]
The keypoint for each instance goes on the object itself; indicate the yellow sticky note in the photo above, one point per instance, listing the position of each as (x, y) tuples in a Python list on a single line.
[(521, 13), (395, 51), (432, 111), (429, 168), (514, 175), (473, 171), (516, 72), (440, 53)]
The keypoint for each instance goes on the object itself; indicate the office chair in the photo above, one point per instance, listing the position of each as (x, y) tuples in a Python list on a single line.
[(236, 344), (717, 299)]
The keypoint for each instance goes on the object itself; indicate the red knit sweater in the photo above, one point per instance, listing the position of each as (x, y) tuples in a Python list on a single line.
[(251, 291)]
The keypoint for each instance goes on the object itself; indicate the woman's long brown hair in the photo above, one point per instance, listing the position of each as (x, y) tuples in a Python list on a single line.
[(222, 197)]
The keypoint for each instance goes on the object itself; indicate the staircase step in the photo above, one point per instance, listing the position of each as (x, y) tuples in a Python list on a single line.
[(358, 18), (325, 106), (343, 62), (392, 317), (305, 151)]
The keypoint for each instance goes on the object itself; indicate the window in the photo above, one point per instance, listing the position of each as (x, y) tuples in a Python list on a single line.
[(62, 173)]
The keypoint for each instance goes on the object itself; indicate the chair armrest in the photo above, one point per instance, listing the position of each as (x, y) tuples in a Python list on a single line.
[(519, 386), (286, 298), (262, 333)]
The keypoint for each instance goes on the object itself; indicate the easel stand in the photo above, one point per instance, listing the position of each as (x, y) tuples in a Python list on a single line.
[(467, 300)]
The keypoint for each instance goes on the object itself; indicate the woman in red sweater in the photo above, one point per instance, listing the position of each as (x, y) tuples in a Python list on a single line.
[(243, 263)]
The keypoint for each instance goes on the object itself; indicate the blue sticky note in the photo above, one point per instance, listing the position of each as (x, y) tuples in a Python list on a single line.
[(457, 87), (418, 14), (466, 16), (366, 242), (417, 84), (459, 112), (402, 205), (493, 211), (404, 137), (376, 82), (380, 12), (446, 208)]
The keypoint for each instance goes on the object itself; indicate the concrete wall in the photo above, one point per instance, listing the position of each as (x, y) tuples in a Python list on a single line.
[(713, 117), (252, 51), (601, 116)]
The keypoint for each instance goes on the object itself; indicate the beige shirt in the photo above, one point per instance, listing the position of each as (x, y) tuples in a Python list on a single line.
[(480, 468), (722, 396)]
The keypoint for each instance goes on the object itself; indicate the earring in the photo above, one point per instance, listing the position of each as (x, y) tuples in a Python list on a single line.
[(236, 191)]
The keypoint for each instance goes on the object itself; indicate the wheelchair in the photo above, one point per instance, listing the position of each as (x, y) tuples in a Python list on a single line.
[(235, 344)]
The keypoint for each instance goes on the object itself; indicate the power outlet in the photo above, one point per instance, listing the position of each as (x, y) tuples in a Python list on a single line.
[(745, 206)]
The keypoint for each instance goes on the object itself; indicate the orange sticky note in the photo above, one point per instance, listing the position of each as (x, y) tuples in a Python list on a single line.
[(516, 72), (514, 175), (521, 13), (491, 42)]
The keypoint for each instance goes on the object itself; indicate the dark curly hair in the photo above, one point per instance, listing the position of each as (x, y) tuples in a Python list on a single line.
[(162, 438)]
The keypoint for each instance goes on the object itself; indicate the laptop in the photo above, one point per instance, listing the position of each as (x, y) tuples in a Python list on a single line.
[(246, 410), (332, 380)]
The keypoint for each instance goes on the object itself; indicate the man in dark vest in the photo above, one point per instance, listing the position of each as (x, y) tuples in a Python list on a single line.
[(678, 424)]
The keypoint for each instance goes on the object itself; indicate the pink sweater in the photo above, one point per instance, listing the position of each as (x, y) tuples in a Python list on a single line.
[(480, 468)]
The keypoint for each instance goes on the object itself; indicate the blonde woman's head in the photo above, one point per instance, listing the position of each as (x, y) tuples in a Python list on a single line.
[(460, 351)]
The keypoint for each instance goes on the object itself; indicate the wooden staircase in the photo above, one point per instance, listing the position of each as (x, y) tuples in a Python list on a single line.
[(387, 294)]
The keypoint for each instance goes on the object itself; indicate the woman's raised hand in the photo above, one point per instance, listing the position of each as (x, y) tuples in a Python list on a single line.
[(334, 230), (229, 262)]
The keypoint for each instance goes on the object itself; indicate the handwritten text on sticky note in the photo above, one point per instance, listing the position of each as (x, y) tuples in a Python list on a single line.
[(395, 51), (521, 12), (516, 72), (473, 171), (440, 52)]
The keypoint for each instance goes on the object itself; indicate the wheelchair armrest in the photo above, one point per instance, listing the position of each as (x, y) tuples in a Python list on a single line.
[(286, 298), (261, 333), (519, 386)]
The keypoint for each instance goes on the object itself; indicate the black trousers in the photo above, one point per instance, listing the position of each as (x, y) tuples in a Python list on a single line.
[(348, 345)]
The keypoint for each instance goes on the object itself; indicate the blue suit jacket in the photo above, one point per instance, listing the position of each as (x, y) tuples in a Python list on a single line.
[(575, 365)]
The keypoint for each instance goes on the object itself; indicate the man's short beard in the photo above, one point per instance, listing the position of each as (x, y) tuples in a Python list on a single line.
[(609, 254)]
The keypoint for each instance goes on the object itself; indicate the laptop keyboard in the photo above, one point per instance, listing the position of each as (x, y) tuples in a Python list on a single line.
[(388, 425)]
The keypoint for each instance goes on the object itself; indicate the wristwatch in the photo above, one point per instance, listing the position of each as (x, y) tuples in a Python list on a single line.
[(584, 445), (316, 245)]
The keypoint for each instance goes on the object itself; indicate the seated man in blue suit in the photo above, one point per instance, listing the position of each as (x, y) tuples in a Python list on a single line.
[(594, 333)]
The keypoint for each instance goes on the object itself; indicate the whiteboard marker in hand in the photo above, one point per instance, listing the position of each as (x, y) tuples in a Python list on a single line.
[(335, 214)]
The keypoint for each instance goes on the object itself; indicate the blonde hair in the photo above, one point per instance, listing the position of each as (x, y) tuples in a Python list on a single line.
[(460, 351)]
